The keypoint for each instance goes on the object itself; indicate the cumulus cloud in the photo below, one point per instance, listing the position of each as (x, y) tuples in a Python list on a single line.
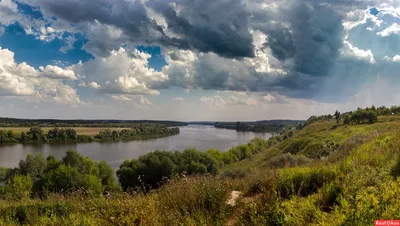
[(122, 72), (24, 80), (352, 51), (393, 29), (55, 72)]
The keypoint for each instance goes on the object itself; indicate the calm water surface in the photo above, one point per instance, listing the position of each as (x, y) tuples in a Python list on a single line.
[(192, 136)]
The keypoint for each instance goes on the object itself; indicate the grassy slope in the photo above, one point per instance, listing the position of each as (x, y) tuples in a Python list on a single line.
[(342, 175)]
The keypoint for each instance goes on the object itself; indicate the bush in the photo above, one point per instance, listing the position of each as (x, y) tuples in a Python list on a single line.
[(150, 169), (18, 188)]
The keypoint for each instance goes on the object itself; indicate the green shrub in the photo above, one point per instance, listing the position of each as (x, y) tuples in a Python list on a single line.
[(18, 188), (151, 169)]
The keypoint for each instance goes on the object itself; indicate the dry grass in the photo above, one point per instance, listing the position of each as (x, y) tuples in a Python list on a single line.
[(79, 130), (388, 118)]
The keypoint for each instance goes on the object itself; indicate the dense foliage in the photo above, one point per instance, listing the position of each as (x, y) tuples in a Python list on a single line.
[(15, 122), (38, 177), (37, 135), (368, 115), (259, 126), (140, 131)]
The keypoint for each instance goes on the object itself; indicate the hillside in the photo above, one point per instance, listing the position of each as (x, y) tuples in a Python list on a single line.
[(324, 174)]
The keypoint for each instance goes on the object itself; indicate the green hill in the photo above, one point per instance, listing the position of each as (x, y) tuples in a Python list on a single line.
[(324, 174)]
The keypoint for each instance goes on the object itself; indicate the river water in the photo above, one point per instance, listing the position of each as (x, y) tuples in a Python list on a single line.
[(192, 136)]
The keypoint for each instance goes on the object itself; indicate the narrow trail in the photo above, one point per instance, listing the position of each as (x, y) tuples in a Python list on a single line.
[(232, 201), (235, 195)]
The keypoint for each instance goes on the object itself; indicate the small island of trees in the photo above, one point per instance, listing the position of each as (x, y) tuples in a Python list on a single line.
[(69, 135)]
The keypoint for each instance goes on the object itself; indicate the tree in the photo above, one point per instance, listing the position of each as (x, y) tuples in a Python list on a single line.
[(34, 165), (35, 134), (106, 175), (82, 163), (346, 119), (337, 116)]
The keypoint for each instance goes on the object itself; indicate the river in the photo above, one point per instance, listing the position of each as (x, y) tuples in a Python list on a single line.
[(200, 137)]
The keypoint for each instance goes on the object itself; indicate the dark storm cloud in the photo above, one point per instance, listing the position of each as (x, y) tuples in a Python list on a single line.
[(197, 30), (228, 37), (310, 34)]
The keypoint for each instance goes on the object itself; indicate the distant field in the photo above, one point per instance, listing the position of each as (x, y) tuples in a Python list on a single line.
[(388, 118), (79, 130)]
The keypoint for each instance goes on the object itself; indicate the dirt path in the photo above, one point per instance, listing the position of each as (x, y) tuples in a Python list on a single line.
[(234, 196), (232, 202)]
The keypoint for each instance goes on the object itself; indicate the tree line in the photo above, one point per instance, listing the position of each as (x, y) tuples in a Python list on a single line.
[(15, 122), (37, 135), (144, 131), (368, 115), (259, 126)]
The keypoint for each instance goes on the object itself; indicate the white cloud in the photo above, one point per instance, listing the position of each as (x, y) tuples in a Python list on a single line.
[(349, 50), (396, 58), (51, 90), (178, 98), (263, 62), (123, 72), (393, 29), (13, 81), (138, 99), (55, 72), (23, 80)]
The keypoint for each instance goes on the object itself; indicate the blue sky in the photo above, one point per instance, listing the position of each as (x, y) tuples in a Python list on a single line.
[(188, 60)]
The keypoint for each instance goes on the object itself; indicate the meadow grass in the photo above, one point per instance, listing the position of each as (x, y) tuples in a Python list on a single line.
[(326, 174)]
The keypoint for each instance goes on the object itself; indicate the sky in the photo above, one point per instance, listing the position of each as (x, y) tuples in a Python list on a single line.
[(186, 60)]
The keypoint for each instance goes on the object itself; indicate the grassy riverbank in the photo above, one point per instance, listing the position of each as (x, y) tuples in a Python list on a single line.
[(327, 173)]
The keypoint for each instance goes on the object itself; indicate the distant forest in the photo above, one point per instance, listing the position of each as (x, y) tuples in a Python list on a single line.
[(15, 122), (259, 126)]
